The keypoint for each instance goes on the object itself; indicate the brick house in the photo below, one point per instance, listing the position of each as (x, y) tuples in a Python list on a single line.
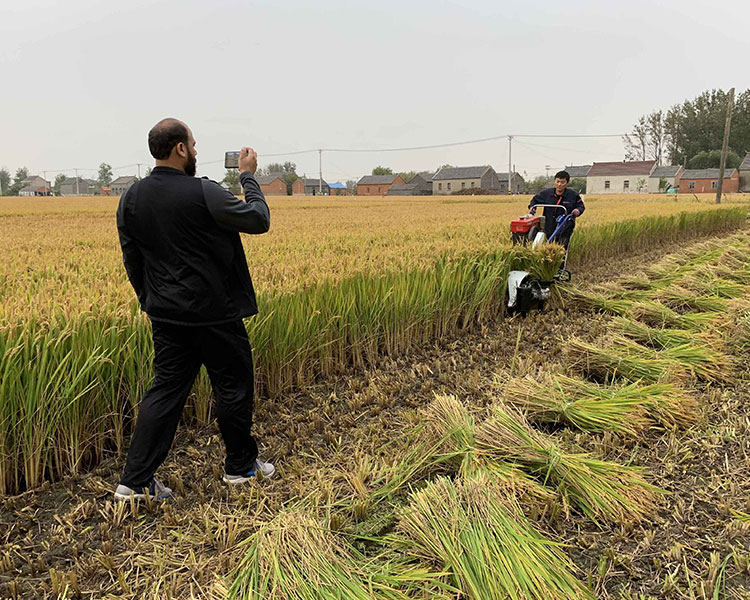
[(519, 184), (77, 186), (745, 174), (35, 186), (705, 181), (663, 178), (122, 184), (454, 179), (272, 185), (306, 186), (619, 177), (377, 185), (417, 186), (338, 189)]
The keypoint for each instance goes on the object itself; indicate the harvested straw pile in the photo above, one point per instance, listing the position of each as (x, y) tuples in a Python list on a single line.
[(657, 338), (597, 302), (293, 557), (481, 538), (599, 489), (681, 300), (656, 314), (623, 409)]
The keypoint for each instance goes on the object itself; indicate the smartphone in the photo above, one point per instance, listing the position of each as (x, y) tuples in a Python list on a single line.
[(232, 160)]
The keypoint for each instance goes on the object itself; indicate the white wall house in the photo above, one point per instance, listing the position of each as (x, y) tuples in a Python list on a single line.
[(626, 177), (666, 177)]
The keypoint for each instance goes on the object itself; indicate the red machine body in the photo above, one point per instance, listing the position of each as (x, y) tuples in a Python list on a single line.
[(524, 224)]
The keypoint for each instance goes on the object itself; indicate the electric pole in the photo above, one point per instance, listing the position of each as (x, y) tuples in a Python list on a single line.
[(320, 172), (725, 146), (510, 175), (139, 169), (78, 187)]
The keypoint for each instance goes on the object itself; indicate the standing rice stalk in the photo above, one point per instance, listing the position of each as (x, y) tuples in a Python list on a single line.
[(476, 532), (599, 489)]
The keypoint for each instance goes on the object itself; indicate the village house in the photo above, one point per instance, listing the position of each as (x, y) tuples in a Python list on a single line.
[(35, 186), (306, 186), (377, 185), (77, 186), (122, 184), (419, 185), (454, 179), (338, 189), (272, 184), (663, 178), (705, 181), (619, 177), (578, 171), (745, 174), (519, 185)]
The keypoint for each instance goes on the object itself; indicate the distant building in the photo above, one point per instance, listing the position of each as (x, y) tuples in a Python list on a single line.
[(619, 177), (272, 184), (306, 186), (122, 184), (454, 179), (417, 186), (519, 185), (745, 174), (35, 186), (705, 181), (77, 186), (338, 189), (666, 177), (578, 171), (377, 185)]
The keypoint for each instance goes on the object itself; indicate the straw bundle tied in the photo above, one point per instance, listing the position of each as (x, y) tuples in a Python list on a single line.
[(485, 542), (293, 557), (599, 489), (622, 409)]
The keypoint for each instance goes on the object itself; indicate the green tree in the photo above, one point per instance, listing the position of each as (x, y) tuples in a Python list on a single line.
[(21, 175), (4, 181), (105, 176), (712, 160), (648, 138), (578, 184), (407, 176), (232, 179), (537, 184), (289, 171), (351, 185), (58, 182), (382, 171)]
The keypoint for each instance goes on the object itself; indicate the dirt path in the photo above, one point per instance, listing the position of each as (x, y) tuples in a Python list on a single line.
[(68, 538)]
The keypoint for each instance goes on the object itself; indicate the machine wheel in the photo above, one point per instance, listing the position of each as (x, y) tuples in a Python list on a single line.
[(531, 235), (516, 238)]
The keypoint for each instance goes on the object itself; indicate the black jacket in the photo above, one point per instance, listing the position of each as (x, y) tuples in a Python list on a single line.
[(182, 250), (570, 200)]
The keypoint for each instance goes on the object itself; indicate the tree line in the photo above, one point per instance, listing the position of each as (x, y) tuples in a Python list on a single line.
[(691, 133), (11, 186)]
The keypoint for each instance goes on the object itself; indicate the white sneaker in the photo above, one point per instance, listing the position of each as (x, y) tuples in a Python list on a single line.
[(264, 469), (156, 490)]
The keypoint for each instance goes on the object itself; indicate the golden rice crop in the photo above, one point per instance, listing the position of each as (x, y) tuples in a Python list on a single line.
[(339, 285)]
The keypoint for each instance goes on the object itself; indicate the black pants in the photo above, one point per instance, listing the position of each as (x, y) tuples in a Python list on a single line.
[(179, 352)]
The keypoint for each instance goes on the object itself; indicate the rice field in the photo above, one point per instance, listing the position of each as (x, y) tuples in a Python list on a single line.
[(593, 453)]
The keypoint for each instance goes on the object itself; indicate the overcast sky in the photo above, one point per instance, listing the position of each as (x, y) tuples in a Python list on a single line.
[(83, 81)]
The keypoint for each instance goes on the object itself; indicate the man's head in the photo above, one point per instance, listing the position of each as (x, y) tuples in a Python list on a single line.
[(561, 181), (172, 145)]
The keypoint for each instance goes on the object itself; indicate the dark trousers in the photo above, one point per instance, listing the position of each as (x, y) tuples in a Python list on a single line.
[(179, 351)]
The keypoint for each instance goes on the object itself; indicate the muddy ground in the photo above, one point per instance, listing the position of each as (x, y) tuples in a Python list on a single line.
[(69, 540)]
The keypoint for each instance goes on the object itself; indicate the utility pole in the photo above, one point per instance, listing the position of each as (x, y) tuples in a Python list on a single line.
[(139, 169), (320, 172), (510, 175), (725, 146), (78, 187)]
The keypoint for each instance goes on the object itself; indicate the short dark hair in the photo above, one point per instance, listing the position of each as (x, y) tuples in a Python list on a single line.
[(164, 136), (562, 175)]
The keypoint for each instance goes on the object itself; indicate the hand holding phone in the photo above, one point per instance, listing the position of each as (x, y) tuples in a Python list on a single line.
[(248, 160)]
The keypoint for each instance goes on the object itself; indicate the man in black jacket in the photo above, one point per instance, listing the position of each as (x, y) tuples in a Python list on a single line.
[(184, 258), (559, 195)]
